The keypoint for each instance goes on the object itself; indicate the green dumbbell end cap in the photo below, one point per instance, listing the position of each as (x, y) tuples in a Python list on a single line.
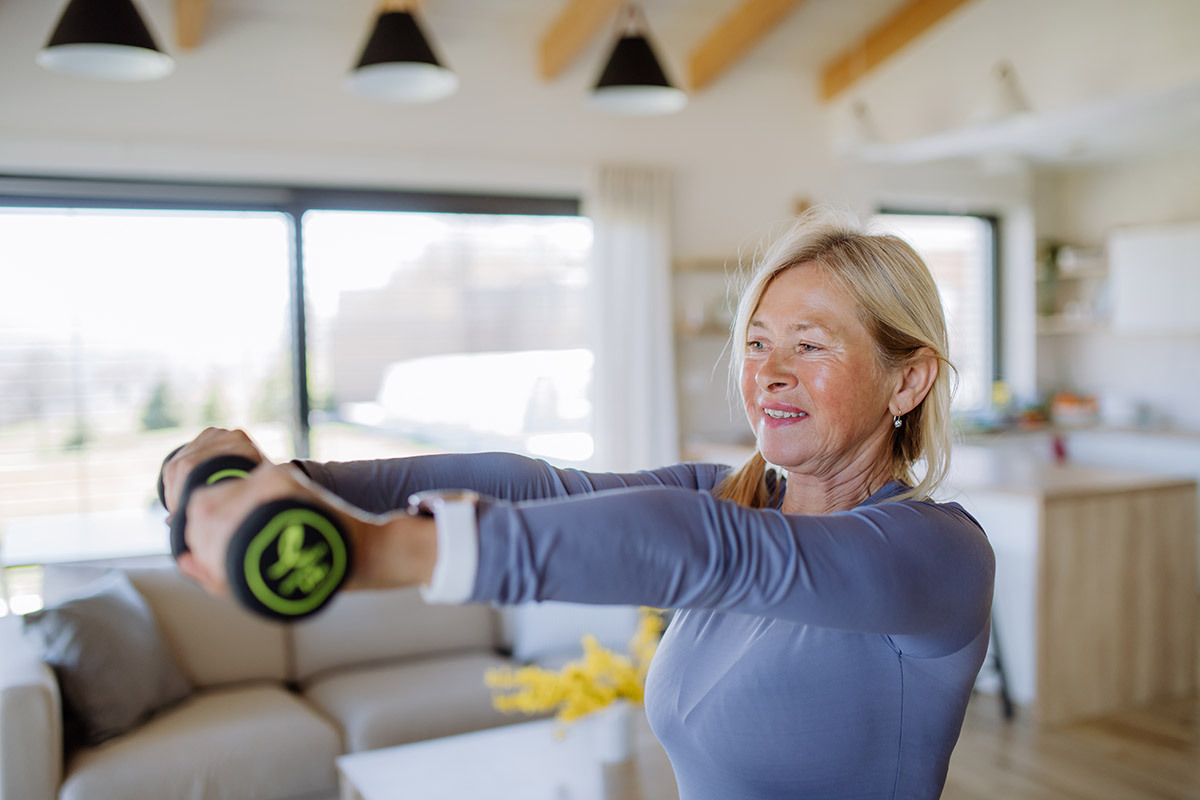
[(294, 558)]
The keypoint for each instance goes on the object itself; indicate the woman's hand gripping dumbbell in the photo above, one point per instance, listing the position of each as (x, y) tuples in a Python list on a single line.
[(285, 557), (231, 531)]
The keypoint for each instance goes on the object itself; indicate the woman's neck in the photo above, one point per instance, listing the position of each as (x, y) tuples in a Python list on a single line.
[(808, 494)]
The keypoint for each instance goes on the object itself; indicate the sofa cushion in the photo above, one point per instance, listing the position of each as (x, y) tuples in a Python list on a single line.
[(254, 741), (400, 703), (112, 665), (375, 626), (214, 639)]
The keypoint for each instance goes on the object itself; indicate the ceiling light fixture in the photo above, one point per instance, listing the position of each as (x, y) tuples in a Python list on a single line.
[(859, 136), (104, 39), (1003, 101), (633, 81), (398, 63)]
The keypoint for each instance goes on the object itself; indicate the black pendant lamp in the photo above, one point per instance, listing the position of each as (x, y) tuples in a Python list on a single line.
[(633, 81), (104, 39), (398, 63)]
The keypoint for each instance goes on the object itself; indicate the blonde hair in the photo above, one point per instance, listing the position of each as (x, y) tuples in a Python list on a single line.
[(898, 304)]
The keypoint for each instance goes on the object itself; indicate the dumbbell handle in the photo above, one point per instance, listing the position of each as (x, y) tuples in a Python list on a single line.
[(206, 473), (286, 559)]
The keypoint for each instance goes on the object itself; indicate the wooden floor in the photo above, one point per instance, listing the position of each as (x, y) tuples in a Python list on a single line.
[(1151, 753)]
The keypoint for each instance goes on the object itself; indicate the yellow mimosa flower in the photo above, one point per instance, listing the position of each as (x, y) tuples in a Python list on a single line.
[(585, 685)]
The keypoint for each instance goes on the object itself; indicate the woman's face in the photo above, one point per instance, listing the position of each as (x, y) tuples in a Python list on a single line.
[(813, 389)]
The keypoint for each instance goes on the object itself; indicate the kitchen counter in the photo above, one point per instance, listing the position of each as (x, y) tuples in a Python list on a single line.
[(1095, 600), (1026, 474)]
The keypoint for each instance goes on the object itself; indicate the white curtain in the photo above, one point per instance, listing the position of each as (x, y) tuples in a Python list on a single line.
[(636, 425)]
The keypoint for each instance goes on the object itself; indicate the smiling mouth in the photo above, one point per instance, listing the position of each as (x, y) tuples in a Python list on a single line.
[(777, 414)]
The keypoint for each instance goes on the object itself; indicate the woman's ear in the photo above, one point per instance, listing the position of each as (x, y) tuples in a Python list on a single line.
[(913, 382)]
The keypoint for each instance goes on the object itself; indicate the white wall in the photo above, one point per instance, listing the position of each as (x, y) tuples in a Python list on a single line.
[(1089, 202), (1081, 207)]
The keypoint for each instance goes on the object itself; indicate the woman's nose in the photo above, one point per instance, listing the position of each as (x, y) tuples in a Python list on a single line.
[(775, 374)]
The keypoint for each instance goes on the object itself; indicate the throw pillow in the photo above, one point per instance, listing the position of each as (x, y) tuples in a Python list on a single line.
[(112, 664)]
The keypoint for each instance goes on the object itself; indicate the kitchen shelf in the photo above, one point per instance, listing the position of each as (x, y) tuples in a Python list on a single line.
[(1058, 325), (1078, 275)]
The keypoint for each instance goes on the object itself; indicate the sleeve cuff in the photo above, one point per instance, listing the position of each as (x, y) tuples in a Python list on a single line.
[(458, 554)]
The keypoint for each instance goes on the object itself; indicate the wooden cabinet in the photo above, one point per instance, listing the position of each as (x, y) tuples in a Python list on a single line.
[(1095, 596)]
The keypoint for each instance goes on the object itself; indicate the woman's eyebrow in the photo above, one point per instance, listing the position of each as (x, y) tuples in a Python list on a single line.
[(795, 327)]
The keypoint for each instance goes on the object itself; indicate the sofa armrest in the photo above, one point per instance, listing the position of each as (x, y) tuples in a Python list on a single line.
[(31, 734)]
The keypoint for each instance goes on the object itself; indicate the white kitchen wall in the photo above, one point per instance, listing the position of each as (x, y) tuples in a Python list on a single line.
[(1160, 371)]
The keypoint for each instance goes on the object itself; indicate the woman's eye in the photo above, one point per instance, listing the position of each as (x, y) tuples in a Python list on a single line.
[(755, 346), (805, 347)]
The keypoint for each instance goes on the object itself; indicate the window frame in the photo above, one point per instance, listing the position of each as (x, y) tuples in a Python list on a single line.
[(993, 282), (293, 202)]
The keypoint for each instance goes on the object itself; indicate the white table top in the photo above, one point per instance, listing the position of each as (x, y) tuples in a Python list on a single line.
[(525, 761)]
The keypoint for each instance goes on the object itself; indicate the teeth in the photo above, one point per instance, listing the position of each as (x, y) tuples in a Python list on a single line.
[(774, 414)]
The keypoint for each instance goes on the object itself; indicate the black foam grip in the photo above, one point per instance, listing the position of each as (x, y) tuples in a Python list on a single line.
[(214, 470)]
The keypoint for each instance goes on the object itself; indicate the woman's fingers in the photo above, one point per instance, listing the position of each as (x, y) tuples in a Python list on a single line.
[(211, 442)]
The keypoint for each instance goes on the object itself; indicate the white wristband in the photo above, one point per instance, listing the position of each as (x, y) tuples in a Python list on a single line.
[(457, 562)]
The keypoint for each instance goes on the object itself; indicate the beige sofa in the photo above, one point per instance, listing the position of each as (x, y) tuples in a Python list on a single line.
[(270, 705)]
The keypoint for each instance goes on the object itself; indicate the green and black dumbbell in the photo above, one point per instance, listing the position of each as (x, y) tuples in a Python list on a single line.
[(285, 560)]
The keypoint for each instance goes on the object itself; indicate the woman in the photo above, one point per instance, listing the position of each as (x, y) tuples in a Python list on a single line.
[(832, 618)]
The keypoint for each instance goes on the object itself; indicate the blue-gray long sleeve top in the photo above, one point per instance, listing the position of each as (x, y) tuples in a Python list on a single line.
[(816, 656)]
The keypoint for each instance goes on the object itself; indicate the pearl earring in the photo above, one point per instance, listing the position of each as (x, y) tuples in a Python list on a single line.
[(897, 422)]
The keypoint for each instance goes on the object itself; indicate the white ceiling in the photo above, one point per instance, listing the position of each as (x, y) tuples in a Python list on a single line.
[(1114, 129), (324, 37), (817, 31)]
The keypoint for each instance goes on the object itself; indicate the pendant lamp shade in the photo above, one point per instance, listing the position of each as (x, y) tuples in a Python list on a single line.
[(633, 82), (104, 39), (1003, 101), (398, 64)]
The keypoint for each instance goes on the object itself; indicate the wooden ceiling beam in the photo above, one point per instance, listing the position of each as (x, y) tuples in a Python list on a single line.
[(191, 17), (734, 37), (885, 40), (570, 33)]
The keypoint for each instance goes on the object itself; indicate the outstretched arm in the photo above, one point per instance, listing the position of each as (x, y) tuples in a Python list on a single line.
[(905, 569), (385, 485)]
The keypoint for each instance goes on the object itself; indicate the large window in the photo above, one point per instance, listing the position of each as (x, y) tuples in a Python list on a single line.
[(961, 254), (119, 332), (448, 332), (125, 328)]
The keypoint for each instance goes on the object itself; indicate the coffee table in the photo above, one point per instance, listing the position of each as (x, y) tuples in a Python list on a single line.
[(525, 760)]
